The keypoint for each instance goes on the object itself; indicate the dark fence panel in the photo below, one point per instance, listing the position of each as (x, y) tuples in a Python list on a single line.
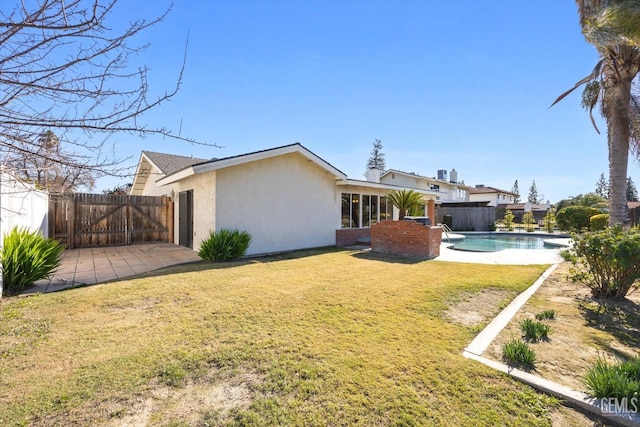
[(468, 218)]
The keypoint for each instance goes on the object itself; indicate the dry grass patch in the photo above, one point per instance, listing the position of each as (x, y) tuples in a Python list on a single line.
[(476, 309), (313, 338)]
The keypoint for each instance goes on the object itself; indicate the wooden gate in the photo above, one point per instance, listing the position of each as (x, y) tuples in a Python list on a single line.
[(89, 220)]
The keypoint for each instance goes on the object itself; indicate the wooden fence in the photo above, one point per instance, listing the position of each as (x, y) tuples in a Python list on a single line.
[(468, 218), (89, 220)]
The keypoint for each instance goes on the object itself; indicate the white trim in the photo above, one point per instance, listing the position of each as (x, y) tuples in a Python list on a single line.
[(140, 179), (247, 158), (426, 178), (376, 185)]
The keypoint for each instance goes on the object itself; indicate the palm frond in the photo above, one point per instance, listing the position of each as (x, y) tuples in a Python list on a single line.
[(597, 70)]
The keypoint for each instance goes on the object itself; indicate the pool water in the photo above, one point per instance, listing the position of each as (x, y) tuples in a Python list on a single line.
[(494, 243)]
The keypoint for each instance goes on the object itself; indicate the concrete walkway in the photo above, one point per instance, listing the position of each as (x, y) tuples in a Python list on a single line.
[(94, 265)]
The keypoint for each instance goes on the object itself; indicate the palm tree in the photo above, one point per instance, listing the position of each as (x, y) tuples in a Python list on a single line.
[(613, 28), (405, 200), (591, 200)]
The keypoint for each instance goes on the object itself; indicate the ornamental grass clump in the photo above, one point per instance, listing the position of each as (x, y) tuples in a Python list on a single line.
[(27, 257), (534, 330), (225, 245), (607, 380), (517, 352), (546, 315)]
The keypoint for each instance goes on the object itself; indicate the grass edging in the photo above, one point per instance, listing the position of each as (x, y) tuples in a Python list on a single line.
[(573, 397), (481, 342)]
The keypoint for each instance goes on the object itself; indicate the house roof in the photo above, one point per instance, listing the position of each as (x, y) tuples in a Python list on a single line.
[(153, 165), (171, 163), (415, 175), (215, 164), (488, 190)]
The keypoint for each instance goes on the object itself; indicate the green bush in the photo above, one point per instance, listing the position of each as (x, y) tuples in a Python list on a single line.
[(518, 353), (621, 380), (225, 245), (508, 220), (546, 315), (568, 255), (528, 221), (549, 220), (575, 217), (599, 222), (608, 261), (534, 331), (26, 258)]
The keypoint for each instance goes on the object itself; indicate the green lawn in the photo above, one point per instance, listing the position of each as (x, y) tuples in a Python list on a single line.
[(313, 338)]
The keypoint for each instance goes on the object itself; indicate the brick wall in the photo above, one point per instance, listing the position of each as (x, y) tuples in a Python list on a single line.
[(406, 238), (350, 236)]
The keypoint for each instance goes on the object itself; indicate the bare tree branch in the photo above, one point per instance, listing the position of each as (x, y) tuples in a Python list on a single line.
[(64, 69)]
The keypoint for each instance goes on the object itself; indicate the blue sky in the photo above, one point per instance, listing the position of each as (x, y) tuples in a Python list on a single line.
[(444, 84)]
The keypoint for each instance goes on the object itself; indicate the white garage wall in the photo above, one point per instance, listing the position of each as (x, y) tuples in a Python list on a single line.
[(286, 202)]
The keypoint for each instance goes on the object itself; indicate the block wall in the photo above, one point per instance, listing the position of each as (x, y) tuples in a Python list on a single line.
[(406, 238)]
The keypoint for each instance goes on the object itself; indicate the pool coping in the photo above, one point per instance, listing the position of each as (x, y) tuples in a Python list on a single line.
[(481, 342)]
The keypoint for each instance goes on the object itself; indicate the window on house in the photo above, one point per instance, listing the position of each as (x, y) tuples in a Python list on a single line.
[(355, 210), (385, 209), (346, 210), (374, 209), (369, 208), (366, 211)]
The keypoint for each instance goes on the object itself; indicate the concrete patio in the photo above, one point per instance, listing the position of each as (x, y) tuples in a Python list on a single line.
[(94, 265)]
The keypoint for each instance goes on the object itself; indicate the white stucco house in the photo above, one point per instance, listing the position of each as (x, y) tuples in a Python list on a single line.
[(287, 197), (446, 191), (495, 196)]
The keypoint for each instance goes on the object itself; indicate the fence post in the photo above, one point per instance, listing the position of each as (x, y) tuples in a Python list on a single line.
[(71, 221)]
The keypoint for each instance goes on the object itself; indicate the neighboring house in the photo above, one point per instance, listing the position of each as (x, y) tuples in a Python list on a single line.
[(634, 213), (447, 191), (287, 197), (493, 195), (539, 211), (22, 205)]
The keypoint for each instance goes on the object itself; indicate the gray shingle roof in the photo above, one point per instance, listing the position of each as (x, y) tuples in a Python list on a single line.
[(486, 190), (172, 163)]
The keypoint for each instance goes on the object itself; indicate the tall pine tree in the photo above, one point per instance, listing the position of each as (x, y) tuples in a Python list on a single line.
[(602, 187), (533, 194), (516, 190), (632, 192), (376, 160)]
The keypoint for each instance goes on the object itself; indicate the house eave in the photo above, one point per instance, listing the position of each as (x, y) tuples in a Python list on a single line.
[(248, 158), (381, 186)]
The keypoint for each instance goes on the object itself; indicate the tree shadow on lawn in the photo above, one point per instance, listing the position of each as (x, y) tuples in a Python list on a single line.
[(619, 318)]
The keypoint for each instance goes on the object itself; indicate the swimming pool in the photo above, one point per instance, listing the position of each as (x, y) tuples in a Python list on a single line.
[(498, 242)]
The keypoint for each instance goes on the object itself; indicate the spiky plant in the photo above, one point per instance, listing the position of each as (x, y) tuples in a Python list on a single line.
[(225, 245), (27, 257), (405, 201)]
